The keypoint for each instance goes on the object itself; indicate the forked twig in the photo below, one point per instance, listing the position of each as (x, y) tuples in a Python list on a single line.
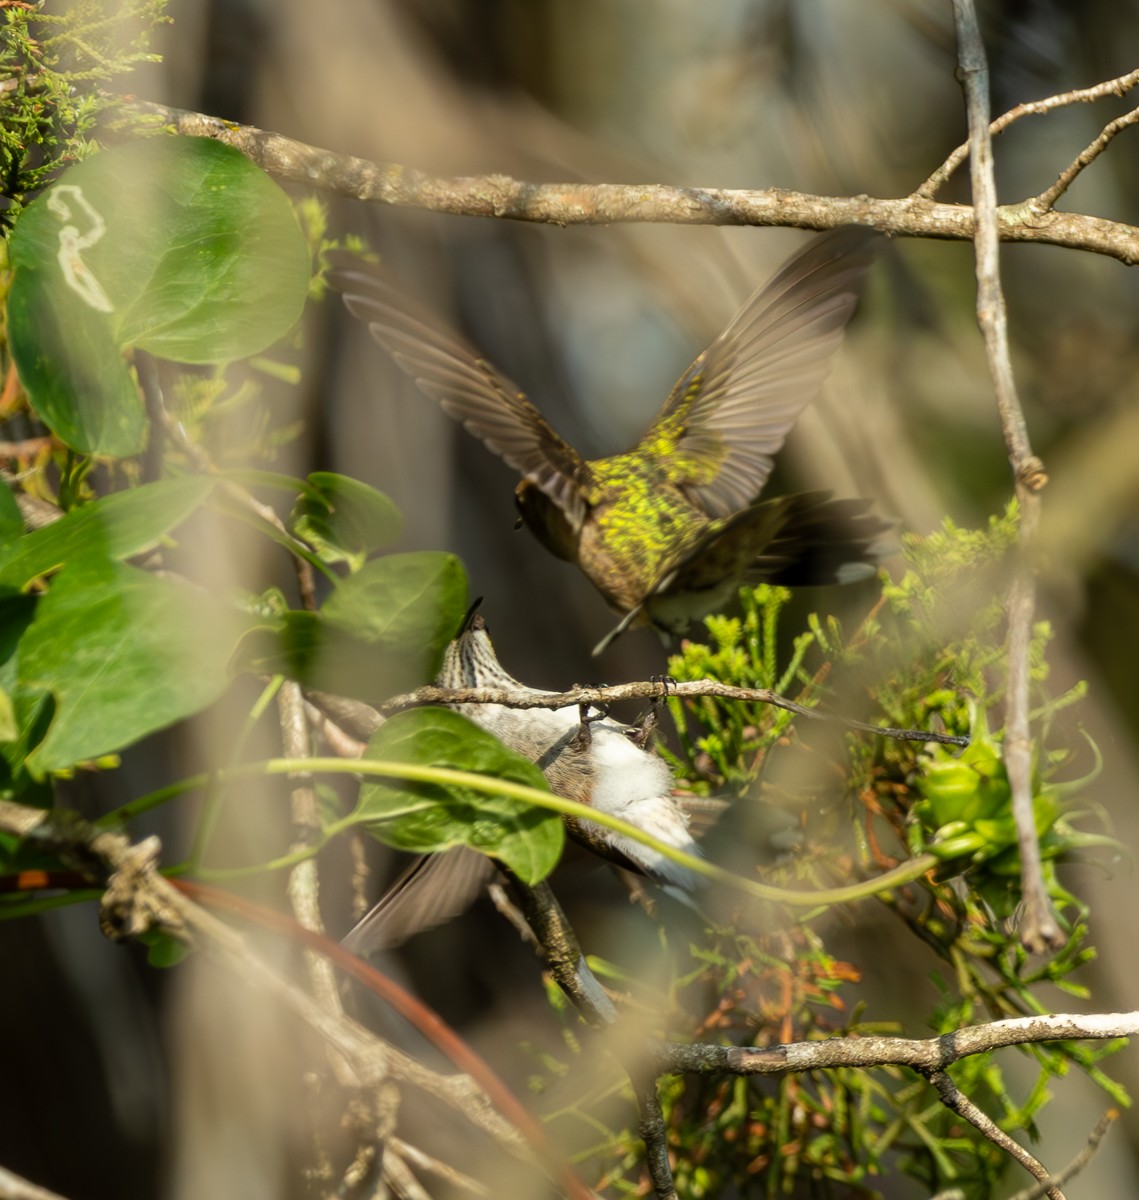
[(1039, 928)]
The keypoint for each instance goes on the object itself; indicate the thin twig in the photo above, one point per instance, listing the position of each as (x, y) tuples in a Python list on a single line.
[(398, 1173), (575, 203), (1081, 1160), (510, 911), (650, 690), (1111, 87), (426, 1162), (1039, 929), (338, 740), (1047, 199), (956, 1100)]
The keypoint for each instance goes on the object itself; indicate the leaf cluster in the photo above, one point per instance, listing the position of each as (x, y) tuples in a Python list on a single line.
[(122, 305), (837, 1132)]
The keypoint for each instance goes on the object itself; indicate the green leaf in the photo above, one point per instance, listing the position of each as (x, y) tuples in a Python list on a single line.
[(72, 369), (176, 246), (424, 818), (343, 519), (123, 653), (404, 602), (115, 526), (9, 730), (163, 950), (11, 519), (305, 647), (31, 712)]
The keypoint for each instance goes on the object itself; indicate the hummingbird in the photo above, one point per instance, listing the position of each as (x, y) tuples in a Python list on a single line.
[(585, 756), (668, 530)]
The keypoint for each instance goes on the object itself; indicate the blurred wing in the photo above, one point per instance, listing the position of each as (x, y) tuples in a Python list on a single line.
[(434, 889), (466, 386), (805, 539), (731, 411)]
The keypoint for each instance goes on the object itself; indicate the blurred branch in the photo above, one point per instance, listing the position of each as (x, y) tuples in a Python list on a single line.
[(609, 203), (426, 1162), (138, 898), (14, 1187), (1110, 87), (304, 883), (1039, 928)]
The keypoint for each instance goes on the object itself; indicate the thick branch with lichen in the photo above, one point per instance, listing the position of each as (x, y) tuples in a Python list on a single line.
[(503, 197)]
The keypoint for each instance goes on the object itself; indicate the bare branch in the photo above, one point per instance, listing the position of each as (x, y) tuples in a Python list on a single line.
[(650, 690), (578, 203), (558, 945), (338, 740), (1047, 199), (1110, 87), (953, 1098), (1039, 929), (922, 1054)]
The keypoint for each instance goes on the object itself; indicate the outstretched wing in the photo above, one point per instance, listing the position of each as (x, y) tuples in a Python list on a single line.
[(466, 386), (731, 411)]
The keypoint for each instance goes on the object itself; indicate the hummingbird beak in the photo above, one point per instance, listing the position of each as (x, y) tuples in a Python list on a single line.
[(469, 619)]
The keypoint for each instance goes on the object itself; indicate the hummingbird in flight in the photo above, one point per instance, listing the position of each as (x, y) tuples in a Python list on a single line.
[(669, 530), (585, 756)]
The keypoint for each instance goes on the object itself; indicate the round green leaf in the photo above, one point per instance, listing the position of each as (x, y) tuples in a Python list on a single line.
[(305, 647), (123, 653), (177, 246), (425, 818)]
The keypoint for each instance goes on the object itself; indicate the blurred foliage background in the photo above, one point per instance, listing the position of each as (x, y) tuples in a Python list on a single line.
[(596, 323)]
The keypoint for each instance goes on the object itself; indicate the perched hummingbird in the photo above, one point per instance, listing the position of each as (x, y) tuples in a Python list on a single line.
[(585, 756), (668, 530)]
